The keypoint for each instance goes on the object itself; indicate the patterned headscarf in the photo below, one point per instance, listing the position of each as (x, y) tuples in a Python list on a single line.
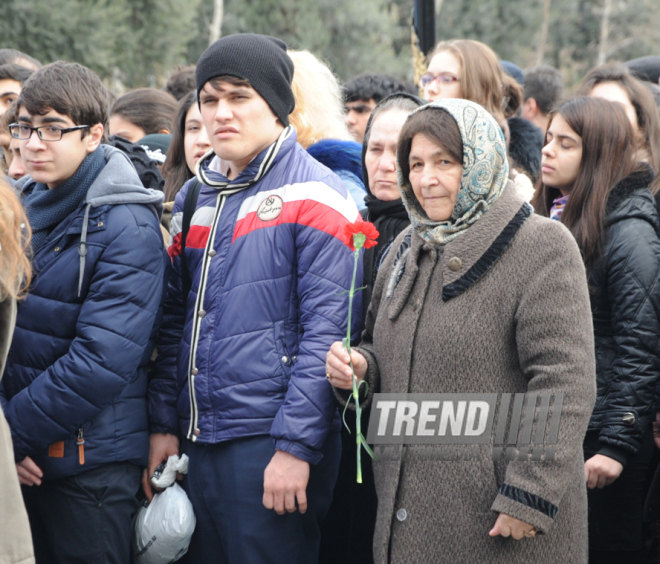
[(485, 172)]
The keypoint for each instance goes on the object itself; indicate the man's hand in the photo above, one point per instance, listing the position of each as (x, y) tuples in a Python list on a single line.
[(161, 447), (510, 526), (285, 480), (29, 474), (601, 471)]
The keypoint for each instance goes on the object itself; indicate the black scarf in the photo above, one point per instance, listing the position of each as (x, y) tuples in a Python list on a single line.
[(47, 208), (390, 218)]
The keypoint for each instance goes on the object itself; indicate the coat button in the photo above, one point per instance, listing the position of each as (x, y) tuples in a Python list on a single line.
[(195, 371), (197, 432), (416, 304), (100, 224), (401, 514), (201, 313), (212, 253), (433, 255), (628, 418), (285, 359), (455, 263), (57, 249)]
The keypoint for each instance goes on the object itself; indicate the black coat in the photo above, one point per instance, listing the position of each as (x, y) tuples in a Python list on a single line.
[(625, 303)]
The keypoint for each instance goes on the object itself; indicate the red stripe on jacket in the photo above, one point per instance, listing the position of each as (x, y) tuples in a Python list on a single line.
[(304, 212)]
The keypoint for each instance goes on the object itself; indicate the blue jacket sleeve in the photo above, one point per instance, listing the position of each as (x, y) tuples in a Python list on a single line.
[(325, 271), (163, 392), (112, 333)]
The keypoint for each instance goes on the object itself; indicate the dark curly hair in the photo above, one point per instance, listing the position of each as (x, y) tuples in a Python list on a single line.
[(374, 86)]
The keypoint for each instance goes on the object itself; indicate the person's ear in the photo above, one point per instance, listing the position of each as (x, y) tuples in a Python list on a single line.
[(530, 109), (165, 131), (94, 137)]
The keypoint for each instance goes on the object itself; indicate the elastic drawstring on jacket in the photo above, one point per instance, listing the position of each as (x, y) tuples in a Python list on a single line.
[(82, 248)]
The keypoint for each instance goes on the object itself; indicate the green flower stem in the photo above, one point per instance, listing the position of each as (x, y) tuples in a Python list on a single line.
[(359, 438)]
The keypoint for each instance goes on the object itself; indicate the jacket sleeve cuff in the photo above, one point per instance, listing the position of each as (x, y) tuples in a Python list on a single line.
[(299, 451), (526, 506), (618, 454), (163, 429)]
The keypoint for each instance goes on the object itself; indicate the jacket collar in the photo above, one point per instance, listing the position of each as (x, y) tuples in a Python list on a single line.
[(255, 171), (636, 181), (470, 256)]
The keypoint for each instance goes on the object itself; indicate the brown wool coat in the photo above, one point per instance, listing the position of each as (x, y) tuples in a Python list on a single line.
[(521, 325), (15, 537)]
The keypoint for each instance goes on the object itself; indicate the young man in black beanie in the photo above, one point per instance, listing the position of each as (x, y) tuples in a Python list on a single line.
[(241, 374)]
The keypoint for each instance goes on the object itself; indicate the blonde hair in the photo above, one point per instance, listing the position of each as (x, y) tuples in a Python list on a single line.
[(319, 112), (15, 268), (482, 79)]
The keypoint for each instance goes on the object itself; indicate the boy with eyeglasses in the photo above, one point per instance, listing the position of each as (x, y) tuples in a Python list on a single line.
[(74, 388)]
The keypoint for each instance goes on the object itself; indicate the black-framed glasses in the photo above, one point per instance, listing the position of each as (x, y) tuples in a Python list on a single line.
[(45, 132), (444, 78)]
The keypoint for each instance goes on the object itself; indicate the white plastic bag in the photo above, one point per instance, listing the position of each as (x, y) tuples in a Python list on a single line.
[(162, 529)]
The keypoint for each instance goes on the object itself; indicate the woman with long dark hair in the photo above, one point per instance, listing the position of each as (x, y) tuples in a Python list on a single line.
[(190, 142), (595, 184), (616, 84)]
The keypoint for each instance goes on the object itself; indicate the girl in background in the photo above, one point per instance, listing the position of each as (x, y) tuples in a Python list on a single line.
[(463, 68), (190, 142), (616, 84), (595, 183), (142, 112)]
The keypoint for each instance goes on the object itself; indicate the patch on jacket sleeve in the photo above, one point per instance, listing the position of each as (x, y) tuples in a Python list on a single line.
[(314, 204)]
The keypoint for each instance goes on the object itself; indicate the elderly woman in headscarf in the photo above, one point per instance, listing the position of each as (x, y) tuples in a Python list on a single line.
[(480, 296)]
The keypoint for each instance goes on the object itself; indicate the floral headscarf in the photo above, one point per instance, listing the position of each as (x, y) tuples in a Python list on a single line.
[(485, 172)]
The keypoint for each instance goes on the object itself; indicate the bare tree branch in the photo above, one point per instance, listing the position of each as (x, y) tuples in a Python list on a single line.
[(215, 28)]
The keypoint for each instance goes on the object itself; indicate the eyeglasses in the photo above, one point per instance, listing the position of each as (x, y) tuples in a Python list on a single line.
[(444, 78), (45, 132)]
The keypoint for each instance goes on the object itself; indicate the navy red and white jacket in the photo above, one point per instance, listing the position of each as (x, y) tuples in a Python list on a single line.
[(269, 270)]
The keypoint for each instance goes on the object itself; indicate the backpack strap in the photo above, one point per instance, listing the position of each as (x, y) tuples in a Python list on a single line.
[(188, 211)]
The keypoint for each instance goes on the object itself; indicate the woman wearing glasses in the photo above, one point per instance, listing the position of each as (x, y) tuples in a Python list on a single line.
[(463, 68)]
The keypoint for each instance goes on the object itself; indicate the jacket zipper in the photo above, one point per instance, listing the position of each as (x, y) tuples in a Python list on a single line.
[(197, 318), (199, 302), (81, 448)]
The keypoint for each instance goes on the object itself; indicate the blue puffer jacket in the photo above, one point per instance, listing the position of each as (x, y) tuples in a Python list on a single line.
[(269, 248), (77, 364)]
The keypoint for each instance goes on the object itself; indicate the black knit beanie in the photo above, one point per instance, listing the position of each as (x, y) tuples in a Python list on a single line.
[(261, 59)]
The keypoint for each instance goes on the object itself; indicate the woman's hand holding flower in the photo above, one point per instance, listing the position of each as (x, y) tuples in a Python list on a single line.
[(338, 367)]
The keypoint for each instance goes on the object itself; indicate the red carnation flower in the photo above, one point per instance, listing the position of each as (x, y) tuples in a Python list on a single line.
[(360, 234)]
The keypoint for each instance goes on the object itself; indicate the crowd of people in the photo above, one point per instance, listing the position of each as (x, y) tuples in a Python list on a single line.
[(174, 267)]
